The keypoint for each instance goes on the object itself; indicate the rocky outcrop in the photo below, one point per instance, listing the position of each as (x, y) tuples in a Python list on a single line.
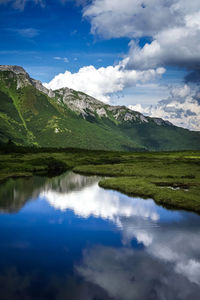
[(122, 113), (88, 106), (161, 122), (15, 69), (23, 79), (81, 103), (39, 86), (18, 73)]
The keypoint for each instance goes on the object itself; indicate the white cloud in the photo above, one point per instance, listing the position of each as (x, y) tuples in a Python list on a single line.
[(182, 108), (129, 18), (179, 46), (137, 18), (65, 59), (102, 82), (173, 26)]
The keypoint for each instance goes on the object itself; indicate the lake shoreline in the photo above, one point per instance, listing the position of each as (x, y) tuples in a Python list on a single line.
[(171, 179)]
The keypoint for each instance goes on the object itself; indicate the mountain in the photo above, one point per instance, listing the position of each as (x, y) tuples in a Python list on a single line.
[(30, 114)]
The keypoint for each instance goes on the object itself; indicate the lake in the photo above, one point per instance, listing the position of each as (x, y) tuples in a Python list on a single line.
[(67, 238)]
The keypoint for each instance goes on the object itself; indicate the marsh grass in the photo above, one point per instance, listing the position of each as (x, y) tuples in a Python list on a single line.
[(181, 198), (170, 178)]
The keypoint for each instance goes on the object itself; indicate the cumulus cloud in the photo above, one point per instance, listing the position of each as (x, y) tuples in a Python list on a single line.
[(129, 18), (177, 46), (173, 27), (102, 82), (182, 108)]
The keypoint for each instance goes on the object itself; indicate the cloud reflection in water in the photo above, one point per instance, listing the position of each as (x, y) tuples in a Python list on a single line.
[(169, 261)]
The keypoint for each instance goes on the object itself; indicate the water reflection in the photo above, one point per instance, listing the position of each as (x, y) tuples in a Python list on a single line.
[(168, 265), (129, 274), (35, 285), (93, 201), (108, 245), (14, 193), (141, 220)]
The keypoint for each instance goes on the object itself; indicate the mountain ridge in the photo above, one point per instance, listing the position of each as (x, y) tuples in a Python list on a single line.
[(65, 112), (67, 92)]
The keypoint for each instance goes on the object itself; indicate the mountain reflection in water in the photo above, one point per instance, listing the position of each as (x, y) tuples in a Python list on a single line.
[(71, 239)]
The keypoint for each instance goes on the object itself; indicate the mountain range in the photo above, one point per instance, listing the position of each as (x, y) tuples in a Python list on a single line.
[(31, 114)]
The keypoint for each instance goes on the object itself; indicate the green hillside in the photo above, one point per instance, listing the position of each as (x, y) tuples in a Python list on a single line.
[(33, 115)]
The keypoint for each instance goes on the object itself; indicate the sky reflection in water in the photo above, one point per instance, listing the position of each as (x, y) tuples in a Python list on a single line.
[(74, 240)]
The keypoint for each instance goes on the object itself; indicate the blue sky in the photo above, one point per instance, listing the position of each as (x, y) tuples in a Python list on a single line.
[(36, 35), (122, 52)]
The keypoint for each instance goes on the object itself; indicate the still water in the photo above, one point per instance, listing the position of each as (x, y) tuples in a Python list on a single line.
[(67, 238)]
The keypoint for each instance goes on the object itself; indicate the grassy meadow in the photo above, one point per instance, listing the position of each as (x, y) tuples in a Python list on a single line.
[(172, 179)]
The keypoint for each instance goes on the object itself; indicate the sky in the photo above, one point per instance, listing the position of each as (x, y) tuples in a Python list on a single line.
[(144, 54)]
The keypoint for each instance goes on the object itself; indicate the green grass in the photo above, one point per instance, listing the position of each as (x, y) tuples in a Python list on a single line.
[(30, 117), (186, 197), (172, 179)]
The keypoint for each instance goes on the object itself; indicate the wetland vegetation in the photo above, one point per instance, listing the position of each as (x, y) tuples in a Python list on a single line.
[(172, 179)]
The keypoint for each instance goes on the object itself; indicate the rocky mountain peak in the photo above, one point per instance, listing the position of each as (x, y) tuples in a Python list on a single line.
[(69, 118), (39, 86), (79, 102), (23, 79), (15, 69)]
